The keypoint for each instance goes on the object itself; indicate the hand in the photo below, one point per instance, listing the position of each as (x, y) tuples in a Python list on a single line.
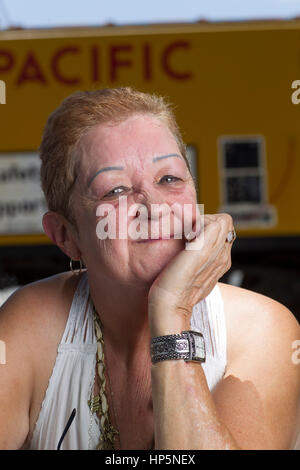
[(190, 276)]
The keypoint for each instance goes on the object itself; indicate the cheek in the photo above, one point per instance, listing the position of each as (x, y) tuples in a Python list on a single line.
[(184, 199), (111, 254), (186, 196), (185, 205), (87, 229)]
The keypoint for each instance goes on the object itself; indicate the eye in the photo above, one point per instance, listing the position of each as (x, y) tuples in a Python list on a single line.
[(115, 191), (169, 179)]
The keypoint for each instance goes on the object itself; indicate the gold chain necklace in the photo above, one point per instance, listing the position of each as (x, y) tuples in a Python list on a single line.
[(99, 402)]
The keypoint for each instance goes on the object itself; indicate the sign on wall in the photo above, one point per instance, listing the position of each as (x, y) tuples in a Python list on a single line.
[(22, 203)]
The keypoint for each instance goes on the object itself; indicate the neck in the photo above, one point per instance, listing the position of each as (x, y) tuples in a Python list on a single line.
[(123, 312)]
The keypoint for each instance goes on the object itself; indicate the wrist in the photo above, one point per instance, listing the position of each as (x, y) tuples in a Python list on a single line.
[(165, 320), (189, 346)]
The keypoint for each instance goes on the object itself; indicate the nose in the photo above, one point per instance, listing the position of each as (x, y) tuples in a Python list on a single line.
[(156, 216), (145, 201)]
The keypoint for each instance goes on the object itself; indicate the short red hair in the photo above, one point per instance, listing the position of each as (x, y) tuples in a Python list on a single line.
[(73, 119)]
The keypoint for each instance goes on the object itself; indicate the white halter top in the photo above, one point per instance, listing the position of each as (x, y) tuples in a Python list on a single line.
[(73, 375)]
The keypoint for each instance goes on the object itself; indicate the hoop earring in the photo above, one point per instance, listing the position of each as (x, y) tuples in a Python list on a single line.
[(76, 271)]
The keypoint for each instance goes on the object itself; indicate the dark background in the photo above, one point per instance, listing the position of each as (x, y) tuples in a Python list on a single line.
[(269, 266)]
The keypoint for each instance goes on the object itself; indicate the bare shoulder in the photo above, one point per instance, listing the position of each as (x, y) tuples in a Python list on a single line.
[(251, 317), (32, 321), (258, 398), (37, 301), (35, 315)]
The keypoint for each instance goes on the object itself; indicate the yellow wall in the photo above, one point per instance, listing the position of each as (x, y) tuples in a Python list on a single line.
[(225, 79)]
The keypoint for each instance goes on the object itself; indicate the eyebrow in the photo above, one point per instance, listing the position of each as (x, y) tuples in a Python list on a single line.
[(155, 159), (109, 168)]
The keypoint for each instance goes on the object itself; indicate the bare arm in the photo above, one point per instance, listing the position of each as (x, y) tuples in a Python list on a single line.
[(259, 396), (185, 414), (15, 376), (253, 407), (256, 403), (31, 324)]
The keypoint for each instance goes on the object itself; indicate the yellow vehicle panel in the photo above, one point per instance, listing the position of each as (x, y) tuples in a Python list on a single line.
[(232, 87)]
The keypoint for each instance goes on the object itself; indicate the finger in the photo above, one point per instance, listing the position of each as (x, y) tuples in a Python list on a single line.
[(217, 228), (215, 256), (226, 226), (206, 220), (201, 222), (224, 220), (205, 239)]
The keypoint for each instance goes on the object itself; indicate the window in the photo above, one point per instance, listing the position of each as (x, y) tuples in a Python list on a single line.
[(244, 180), (243, 171)]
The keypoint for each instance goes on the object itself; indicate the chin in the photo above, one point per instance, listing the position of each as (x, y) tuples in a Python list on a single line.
[(158, 260)]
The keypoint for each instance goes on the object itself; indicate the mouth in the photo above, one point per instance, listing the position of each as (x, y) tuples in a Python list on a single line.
[(153, 240)]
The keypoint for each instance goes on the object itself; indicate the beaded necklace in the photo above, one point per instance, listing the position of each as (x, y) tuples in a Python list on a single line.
[(99, 402)]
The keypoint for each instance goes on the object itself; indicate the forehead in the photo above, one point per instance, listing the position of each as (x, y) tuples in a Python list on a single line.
[(136, 138)]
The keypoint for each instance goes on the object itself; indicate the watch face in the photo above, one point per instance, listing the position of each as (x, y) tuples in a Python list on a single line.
[(199, 354)]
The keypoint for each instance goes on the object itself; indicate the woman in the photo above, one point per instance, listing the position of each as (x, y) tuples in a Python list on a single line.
[(83, 341)]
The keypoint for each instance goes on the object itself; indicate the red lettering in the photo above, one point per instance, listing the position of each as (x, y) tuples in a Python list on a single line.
[(55, 65), (147, 62), (8, 60), (166, 61), (119, 57), (31, 71), (95, 64), (116, 62)]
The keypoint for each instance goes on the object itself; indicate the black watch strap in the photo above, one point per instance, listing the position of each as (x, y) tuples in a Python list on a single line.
[(189, 346)]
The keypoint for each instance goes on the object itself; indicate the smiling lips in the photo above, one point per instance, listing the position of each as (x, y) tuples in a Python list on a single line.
[(160, 239)]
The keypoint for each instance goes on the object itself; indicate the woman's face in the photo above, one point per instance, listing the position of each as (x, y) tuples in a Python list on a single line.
[(138, 160)]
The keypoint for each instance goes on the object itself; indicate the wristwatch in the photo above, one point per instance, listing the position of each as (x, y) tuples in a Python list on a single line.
[(189, 345)]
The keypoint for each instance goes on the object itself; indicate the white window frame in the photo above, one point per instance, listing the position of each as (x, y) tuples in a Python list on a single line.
[(260, 171)]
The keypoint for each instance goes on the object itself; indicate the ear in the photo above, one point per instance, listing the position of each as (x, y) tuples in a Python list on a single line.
[(60, 232)]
